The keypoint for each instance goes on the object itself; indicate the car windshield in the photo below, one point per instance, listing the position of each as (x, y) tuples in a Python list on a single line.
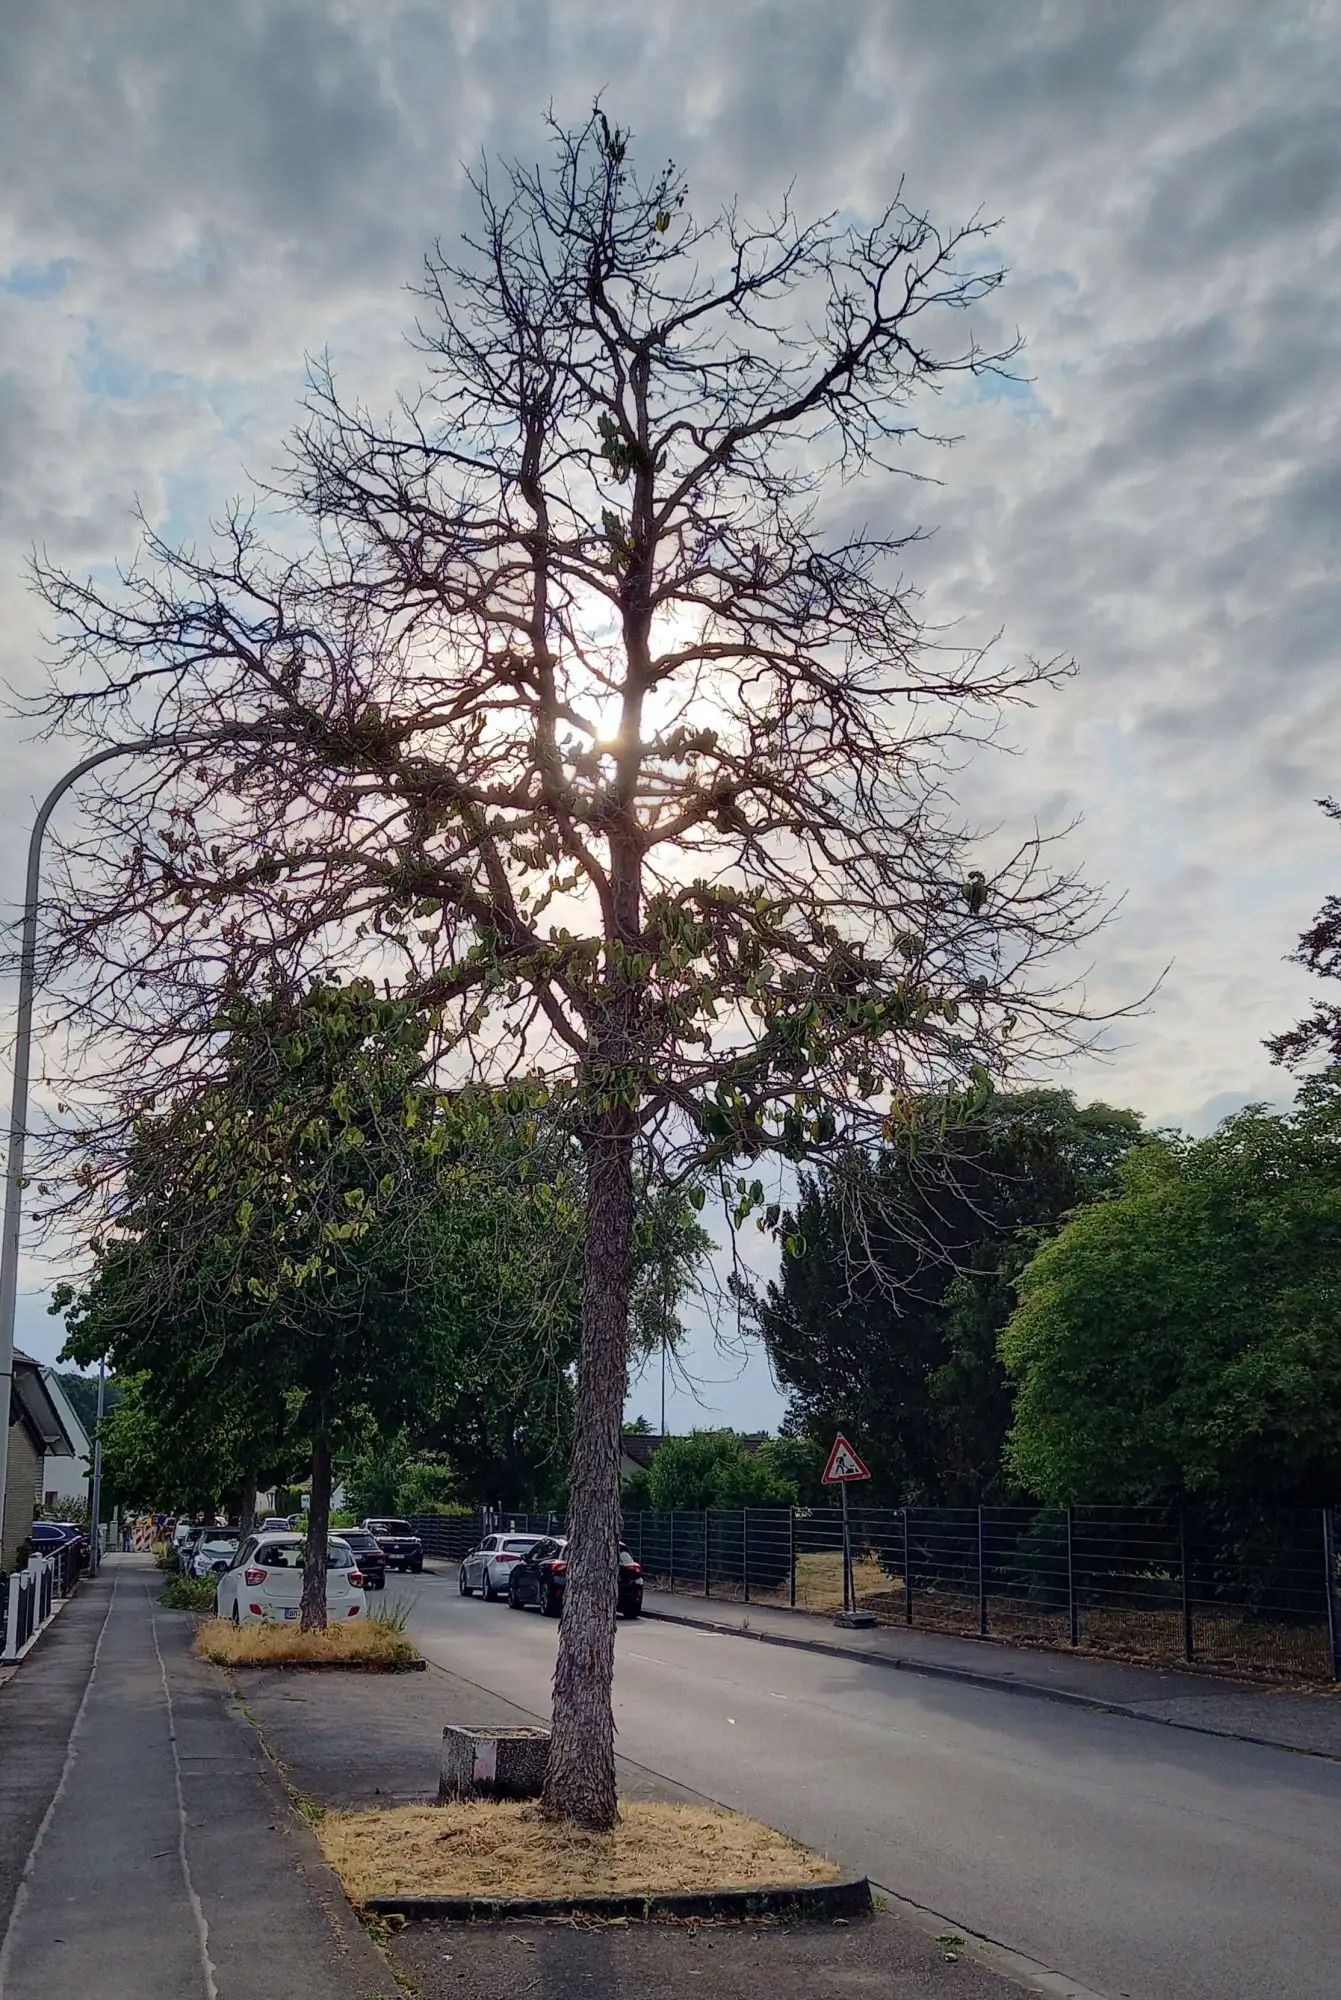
[(518, 1544), (219, 1541)]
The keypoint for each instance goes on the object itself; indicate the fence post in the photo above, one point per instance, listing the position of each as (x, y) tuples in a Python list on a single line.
[(791, 1558), (907, 1576), (1333, 1608), (745, 1551), (982, 1581), (671, 1551), (707, 1552), (1072, 1608), (1189, 1636), (12, 1591)]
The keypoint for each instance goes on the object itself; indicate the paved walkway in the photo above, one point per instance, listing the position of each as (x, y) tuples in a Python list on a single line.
[(1309, 1722), (165, 1863)]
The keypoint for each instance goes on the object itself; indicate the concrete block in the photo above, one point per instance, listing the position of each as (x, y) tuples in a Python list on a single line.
[(492, 1763)]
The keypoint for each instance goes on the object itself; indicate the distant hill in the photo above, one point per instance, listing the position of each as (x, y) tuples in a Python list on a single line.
[(82, 1393)]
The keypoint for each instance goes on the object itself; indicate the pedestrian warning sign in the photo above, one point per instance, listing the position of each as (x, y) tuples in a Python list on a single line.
[(844, 1465)]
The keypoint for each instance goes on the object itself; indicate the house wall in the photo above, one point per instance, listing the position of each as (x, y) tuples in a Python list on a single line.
[(25, 1464), (64, 1479)]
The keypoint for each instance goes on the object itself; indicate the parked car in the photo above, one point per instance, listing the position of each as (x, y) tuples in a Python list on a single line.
[(398, 1542), (488, 1567), (367, 1551), (265, 1584), (275, 1524), (215, 1551), (49, 1537), (540, 1576), (196, 1533)]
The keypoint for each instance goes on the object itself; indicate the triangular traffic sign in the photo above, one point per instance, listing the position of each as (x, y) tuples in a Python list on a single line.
[(844, 1464)]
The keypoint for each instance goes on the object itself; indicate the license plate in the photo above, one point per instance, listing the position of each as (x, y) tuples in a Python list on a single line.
[(291, 1610)]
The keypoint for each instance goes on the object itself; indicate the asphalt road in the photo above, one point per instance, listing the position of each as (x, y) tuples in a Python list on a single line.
[(1141, 1861)]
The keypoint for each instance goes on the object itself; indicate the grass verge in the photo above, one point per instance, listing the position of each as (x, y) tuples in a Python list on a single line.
[(373, 1642), (189, 1593), (471, 1849)]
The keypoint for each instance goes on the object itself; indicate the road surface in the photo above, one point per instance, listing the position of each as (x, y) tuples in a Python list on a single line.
[(1141, 1861)]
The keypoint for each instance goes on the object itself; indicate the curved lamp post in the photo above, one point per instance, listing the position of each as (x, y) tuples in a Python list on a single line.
[(18, 1108)]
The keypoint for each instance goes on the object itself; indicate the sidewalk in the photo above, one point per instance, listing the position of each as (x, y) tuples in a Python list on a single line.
[(149, 1851), (1281, 1717)]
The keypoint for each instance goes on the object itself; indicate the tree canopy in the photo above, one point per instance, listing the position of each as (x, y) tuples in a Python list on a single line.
[(884, 1323), (1183, 1336), (712, 1468), (579, 719)]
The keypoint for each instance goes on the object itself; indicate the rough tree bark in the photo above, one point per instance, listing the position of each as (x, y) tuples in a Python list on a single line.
[(246, 1512), (580, 1776), (313, 1617)]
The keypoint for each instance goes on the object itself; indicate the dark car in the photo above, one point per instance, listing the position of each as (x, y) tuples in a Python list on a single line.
[(540, 1576), (368, 1554), (398, 1542), (48, 1538)]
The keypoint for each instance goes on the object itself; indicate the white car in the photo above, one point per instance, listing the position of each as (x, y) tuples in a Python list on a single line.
[(265, 1584), (215, 1552), (486, 1568)]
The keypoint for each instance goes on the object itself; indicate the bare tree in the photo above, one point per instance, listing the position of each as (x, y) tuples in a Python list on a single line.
[(586, 732)]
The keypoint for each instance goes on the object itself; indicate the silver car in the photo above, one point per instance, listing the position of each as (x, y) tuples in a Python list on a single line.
[(215, 1552), (486, 1568)]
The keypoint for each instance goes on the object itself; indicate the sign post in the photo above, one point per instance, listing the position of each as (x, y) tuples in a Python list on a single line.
[(843, 1470)]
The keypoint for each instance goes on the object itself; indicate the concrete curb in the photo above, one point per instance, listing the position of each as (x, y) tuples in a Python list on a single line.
[(322, 1666), (811, 1902), (901, 1663), (994, 1683)]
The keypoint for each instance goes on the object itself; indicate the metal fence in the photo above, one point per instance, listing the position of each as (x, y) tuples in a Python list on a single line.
[(28, 1599), (1246, 1594)]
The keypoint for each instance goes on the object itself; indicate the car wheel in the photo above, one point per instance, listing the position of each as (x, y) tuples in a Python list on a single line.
[(379, 1583), (514, 1602), (634, 1611), (418, 1568), (465, 1586), (491, 1596), (549, 1604)]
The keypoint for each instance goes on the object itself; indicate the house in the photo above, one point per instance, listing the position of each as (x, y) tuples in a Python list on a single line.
[(66, 1475), (36, 1429)]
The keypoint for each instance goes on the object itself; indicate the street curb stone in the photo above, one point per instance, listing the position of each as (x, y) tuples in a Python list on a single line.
[(811, 1902), (995, 1683)]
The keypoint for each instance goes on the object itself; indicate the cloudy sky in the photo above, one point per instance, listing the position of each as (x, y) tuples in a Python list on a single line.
[(195, 198)]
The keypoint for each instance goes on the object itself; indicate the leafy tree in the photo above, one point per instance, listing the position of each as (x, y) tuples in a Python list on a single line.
[(713, 1469), (81, 1392), (886, 1325), (576, 722), (1184, 1335)]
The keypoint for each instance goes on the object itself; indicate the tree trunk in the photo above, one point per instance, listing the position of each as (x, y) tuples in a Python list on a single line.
[(580, 1776), (246, 1511), (313, 1617)]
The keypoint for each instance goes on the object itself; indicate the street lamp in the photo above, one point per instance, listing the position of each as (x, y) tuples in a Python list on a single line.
[(18, 1104)]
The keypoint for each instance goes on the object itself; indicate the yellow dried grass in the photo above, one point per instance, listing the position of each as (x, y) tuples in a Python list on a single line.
[(370, 1642), (496, 1851)]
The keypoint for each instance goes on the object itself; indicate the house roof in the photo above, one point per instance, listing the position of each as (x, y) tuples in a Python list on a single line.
[(643, 1446), (32, 1406)]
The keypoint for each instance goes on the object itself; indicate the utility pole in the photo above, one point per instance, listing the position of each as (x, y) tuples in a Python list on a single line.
[(95, 1493)]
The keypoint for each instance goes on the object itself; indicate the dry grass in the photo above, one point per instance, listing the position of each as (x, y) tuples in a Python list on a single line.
[(371, 1642), (487, 1850), (819, 1581)]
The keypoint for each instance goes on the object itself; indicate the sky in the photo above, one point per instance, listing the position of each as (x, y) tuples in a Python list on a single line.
[(197, 198)]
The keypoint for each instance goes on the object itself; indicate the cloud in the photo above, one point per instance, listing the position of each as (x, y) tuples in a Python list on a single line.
[(198, 197)]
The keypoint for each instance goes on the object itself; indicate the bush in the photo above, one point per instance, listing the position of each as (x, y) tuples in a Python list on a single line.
[(189, 1593)]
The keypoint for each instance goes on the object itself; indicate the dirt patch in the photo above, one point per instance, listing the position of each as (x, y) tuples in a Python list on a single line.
[(480, 1850), (373, 1642)]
